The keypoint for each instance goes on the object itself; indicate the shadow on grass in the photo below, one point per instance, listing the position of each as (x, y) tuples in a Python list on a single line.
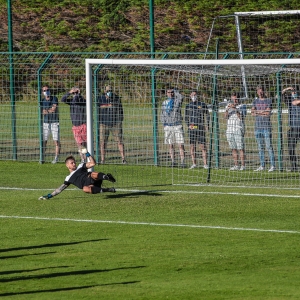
[(61, 274), (67, 289), (50, 245), (30, 270), (134, 194), (22, 255)]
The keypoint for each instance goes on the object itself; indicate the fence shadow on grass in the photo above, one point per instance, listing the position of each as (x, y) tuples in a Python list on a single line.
[(62, 274), (50, 245), (72, 288)]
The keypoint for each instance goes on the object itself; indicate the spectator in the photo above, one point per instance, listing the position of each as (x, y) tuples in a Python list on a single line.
[(197, 119), (292, 100), (50, 120), (235, 114), (78, 117), (261, 109), (110, 119), (172, 121)]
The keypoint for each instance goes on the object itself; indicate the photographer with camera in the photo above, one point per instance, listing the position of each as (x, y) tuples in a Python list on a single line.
[(292, 100), (78, 117)]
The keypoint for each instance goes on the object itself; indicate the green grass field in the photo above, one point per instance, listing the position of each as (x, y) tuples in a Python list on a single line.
[(156, 241)]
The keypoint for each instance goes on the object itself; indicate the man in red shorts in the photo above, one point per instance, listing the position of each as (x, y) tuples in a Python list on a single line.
[(89, 182), (78, 117)]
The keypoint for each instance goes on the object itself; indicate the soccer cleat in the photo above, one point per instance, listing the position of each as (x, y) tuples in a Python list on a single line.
[(242, 168), (173, 164), (182, 165), (205, 167), (272, 169), (261, 168), (234, 168), (124, 162), (110, 178), (43, 198), (193, 166)]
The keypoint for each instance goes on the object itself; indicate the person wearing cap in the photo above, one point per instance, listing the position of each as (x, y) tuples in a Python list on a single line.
[(110, 116), (49, 106), (171, 119), (78, 117), (292, 100), (262, 110)]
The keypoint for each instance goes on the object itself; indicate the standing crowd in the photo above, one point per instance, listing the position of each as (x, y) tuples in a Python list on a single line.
[(197, 120)]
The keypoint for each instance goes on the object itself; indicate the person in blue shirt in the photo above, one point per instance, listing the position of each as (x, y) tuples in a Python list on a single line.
[(49, 107), (261, 110), (78, 117), (111, 115), (197, 118), (292, 100)]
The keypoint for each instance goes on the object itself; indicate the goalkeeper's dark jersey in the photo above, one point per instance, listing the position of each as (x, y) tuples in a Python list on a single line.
[(79, 177)]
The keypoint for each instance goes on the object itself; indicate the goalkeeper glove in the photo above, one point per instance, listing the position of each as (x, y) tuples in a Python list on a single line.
[(46, 197), (84, 151)]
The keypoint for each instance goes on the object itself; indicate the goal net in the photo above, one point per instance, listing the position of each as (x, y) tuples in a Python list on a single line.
[(142, 86)]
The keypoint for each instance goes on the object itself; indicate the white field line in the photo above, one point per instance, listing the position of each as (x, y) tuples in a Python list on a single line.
[(164, 191), (152, 224)]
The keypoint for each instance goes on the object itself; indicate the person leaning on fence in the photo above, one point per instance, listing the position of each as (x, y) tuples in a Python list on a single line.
[(197, 119), (78, 117), (292, 100), (262, 109), (171, 119), (50, 120), (235, 114), (88, 182), (110, 119)]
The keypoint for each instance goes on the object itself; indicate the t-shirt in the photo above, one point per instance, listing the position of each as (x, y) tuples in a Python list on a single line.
[(262, 122), (78, 177), (47, 104), (195, 113), (234, 123)]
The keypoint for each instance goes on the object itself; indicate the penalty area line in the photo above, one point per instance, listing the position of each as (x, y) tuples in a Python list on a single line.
[(152, 224)]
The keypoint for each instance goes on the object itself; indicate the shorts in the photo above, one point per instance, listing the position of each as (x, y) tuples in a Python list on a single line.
[(116, 131), (79, 133), (197, 136), (174, 135), (236, 140), (54, 128)]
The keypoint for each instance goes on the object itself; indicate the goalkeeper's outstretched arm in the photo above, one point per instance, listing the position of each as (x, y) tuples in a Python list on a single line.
[(55, 192)]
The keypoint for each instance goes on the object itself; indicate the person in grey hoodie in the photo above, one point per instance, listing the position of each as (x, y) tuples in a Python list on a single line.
[(171, 119)]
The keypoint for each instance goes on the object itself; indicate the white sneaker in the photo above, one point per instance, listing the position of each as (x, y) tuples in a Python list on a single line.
[(193, 166), (55, 160), (242, 168), (272, 169), (205, 167), (234, 168), (261, 168)]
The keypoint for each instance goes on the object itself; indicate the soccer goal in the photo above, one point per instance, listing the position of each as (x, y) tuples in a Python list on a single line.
[(142, 84)]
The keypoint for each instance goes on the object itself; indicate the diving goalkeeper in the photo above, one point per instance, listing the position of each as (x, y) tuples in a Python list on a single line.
[(89, 182)]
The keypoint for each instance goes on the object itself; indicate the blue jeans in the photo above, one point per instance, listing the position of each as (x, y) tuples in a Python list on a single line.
[(264, 136)]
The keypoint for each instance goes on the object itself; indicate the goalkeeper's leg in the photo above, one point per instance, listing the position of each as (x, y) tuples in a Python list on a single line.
[(101, 176), (92, 189)]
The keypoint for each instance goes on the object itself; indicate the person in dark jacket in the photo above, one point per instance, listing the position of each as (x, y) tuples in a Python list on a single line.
[(110, 119), (197, 119), (292, 100), (78, 117)]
